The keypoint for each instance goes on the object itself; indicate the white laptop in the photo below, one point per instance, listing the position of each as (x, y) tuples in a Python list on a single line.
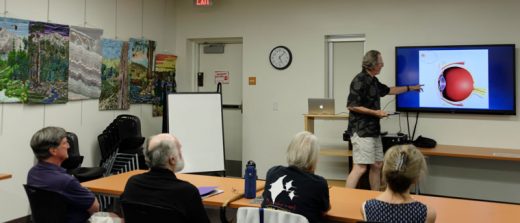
[(321, 106)]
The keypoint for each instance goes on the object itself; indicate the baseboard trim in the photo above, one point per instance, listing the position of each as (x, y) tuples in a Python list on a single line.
[(24, 219)]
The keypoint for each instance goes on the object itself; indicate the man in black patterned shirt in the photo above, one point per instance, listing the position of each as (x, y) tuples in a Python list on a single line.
[(364, 105)]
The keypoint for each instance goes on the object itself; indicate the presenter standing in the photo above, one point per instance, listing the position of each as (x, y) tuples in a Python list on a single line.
[(364, 105)]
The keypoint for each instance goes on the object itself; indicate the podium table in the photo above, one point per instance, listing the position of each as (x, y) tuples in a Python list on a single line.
[(309, 126)]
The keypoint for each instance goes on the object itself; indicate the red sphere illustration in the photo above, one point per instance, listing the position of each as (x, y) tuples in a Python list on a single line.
[(456, 83)]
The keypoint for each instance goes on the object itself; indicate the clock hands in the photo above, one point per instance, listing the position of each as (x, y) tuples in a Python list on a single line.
[(281, 55)]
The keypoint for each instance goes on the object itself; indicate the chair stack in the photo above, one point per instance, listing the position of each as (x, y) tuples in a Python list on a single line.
[(121, 145), (121, 149)]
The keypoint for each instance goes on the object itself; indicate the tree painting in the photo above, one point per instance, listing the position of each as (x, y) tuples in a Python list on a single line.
[(48, 63), (14, 61), (114, 76), (140, 70)]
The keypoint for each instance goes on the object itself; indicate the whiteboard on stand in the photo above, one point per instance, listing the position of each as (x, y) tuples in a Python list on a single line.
[(196, 120)]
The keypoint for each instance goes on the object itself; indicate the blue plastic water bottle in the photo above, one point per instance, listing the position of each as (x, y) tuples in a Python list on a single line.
[(250, 180)]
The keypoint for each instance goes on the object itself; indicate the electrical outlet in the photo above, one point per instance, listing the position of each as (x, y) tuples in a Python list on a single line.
[(275, 106)]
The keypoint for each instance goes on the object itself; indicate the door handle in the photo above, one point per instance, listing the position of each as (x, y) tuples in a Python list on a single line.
[(233, 107)]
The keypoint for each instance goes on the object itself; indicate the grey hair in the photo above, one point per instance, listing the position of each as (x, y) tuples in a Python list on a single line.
[(159, 154), (370, 59), (303, 151), (46, 138)]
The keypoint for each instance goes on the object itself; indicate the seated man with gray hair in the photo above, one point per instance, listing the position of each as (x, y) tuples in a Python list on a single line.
[(50, 147), (159, 186), (296, 188)]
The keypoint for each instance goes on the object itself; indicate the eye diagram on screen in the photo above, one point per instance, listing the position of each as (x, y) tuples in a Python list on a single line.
[(456, 84), (454, 78), (471, 79)]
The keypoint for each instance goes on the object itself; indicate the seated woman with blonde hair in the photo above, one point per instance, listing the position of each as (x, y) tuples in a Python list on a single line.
[(403, 166)]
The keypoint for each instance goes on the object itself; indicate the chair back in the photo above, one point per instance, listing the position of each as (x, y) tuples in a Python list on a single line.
[(261, 215), (75, 159), (134, 212), (46, 206), (128, 126), (72, 138)]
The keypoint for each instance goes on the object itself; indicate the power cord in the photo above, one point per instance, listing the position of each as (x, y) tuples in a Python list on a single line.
[(411, 137), (386, 105)]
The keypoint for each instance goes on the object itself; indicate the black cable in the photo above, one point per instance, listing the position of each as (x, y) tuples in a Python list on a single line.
[(386, 105), (400, 129), (408, 125), (415, 127)]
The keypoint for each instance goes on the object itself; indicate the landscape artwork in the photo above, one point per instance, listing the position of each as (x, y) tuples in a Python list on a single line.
[(140, 70), (114, 76), (84, 63), (164, 81), (49, 63), (14, 61)]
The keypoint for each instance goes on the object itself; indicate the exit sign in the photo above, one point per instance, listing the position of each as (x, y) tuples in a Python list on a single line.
[(203, 2)]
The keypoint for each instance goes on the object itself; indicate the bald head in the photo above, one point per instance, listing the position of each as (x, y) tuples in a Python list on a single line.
[(163, 151), (157, 139)]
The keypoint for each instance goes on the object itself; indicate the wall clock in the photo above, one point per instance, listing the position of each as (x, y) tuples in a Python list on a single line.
[(280, 57)]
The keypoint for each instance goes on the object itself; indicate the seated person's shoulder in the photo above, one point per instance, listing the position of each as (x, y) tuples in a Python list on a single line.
[(187, 187), (276, 169), (318, 178), (431, 214)]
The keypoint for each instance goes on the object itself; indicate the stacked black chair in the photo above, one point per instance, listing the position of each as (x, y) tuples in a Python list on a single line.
[(46, 206), (121, 145), (121, 149), (73, 163)]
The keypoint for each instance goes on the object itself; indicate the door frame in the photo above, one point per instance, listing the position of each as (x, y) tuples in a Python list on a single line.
[(195, 45), (330, 40), (233, 167)]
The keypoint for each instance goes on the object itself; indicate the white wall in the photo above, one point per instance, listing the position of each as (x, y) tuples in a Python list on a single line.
[(302, 25), (18, 122)]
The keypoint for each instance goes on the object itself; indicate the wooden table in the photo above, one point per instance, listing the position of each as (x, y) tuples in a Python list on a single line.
[(4, 176), (115, 184), (346, 207), (473, 152)]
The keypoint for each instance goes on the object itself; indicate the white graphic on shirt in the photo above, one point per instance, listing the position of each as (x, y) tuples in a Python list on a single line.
[(277, 187), (291, 195)]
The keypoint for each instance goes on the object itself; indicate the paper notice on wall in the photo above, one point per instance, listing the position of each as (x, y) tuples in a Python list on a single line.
[(222, 77)]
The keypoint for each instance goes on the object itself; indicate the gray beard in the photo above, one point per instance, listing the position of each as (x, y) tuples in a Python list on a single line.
[(179, 166)]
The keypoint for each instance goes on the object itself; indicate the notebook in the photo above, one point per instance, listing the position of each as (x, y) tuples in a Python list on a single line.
[(208, 191), (321, 106)]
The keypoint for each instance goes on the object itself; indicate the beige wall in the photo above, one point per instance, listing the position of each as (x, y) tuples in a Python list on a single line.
[(302, 25), (18, 122)]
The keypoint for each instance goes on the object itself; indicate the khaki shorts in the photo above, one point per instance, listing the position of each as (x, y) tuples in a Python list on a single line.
[(366, 150)]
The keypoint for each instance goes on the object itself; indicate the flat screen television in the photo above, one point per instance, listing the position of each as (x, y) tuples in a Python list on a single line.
[(478, 79)]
